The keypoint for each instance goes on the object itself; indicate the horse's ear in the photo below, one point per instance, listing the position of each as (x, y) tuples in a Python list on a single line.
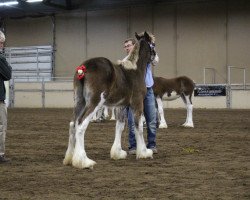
[(137, 36), (147, 37)]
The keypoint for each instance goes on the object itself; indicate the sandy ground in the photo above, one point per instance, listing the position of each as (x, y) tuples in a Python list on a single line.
[(211, 161)]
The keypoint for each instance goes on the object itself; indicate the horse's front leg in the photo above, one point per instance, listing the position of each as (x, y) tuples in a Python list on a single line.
[(71, 145), (116, 151), (141, 150)]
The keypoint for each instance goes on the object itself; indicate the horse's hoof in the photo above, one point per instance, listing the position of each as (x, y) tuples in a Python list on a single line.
[(67, 159), (118, 155), (85, 163), (188, 125), (147, 153), (163, 126)]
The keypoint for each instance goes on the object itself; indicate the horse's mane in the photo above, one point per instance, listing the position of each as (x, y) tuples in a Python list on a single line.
[(129, 62)]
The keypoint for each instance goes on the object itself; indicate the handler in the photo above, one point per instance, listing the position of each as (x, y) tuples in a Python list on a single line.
[(149, 106), (5, 75)]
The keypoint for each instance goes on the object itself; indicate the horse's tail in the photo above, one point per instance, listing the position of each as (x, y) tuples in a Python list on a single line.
[(187, 86), (79, 100), (95, 75)]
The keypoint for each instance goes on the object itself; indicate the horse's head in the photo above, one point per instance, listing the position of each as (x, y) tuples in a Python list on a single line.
[(148, 41)]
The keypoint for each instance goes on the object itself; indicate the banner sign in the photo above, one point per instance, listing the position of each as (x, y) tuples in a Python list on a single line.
[(210, 90)]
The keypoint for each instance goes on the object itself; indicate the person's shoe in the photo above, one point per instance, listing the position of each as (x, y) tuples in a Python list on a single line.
[(3, 159), (132, 151), (154, 150)]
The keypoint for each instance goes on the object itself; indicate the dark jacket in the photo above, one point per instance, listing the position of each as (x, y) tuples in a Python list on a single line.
[(5, 75)]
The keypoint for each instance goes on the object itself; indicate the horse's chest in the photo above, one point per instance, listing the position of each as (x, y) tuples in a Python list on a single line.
[(169, 96)]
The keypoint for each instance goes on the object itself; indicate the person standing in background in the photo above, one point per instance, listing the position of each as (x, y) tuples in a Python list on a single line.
[(5, 75)]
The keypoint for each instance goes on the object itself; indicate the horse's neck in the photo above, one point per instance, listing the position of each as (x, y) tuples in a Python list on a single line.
[(142, 63)]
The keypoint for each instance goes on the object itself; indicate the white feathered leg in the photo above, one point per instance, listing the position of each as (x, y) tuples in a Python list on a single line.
[(141, 150), (71, 145), (80, 159), (94, 118), (163, 123), (112, 114), (116, 150), (189, 118), (106, 112)]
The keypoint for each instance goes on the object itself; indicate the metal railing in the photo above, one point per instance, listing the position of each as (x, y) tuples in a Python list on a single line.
[(31, 61), (42, 89)]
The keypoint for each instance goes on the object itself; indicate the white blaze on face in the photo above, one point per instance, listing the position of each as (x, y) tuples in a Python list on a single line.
[(173, 95)]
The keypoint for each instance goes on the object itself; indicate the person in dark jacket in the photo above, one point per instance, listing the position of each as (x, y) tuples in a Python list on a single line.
[(5, 75)]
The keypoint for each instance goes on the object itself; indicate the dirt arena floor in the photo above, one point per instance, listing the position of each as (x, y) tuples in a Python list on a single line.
[(211, 161)]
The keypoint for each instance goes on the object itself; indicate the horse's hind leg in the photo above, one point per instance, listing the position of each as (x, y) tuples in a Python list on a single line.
[(80, 159), (163, 123), (116, 150), (71, 145), (189, 107)]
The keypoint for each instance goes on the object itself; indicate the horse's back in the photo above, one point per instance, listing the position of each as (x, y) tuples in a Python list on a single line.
[(162, 85), (178, 84), (99, 65), (99, 72)]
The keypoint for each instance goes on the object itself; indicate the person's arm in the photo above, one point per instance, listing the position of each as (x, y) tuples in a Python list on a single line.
[(5, 69)]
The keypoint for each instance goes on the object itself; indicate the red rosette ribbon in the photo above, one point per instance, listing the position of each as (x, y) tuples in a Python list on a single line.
[(80, 71)]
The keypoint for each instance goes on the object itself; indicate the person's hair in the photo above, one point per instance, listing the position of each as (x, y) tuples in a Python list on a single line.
[(130, 39), (2, 37)]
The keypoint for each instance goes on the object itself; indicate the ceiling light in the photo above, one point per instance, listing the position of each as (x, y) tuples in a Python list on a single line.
[(32, 1), (9, 3)]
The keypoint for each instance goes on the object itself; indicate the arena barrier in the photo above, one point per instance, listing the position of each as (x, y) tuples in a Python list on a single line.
[(59, 94), (42, 94)]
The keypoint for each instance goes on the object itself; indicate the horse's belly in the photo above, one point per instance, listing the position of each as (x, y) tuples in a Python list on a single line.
[(173, 95)]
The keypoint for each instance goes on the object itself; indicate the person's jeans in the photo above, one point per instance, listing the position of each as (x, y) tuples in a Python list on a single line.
[(150, 116)]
